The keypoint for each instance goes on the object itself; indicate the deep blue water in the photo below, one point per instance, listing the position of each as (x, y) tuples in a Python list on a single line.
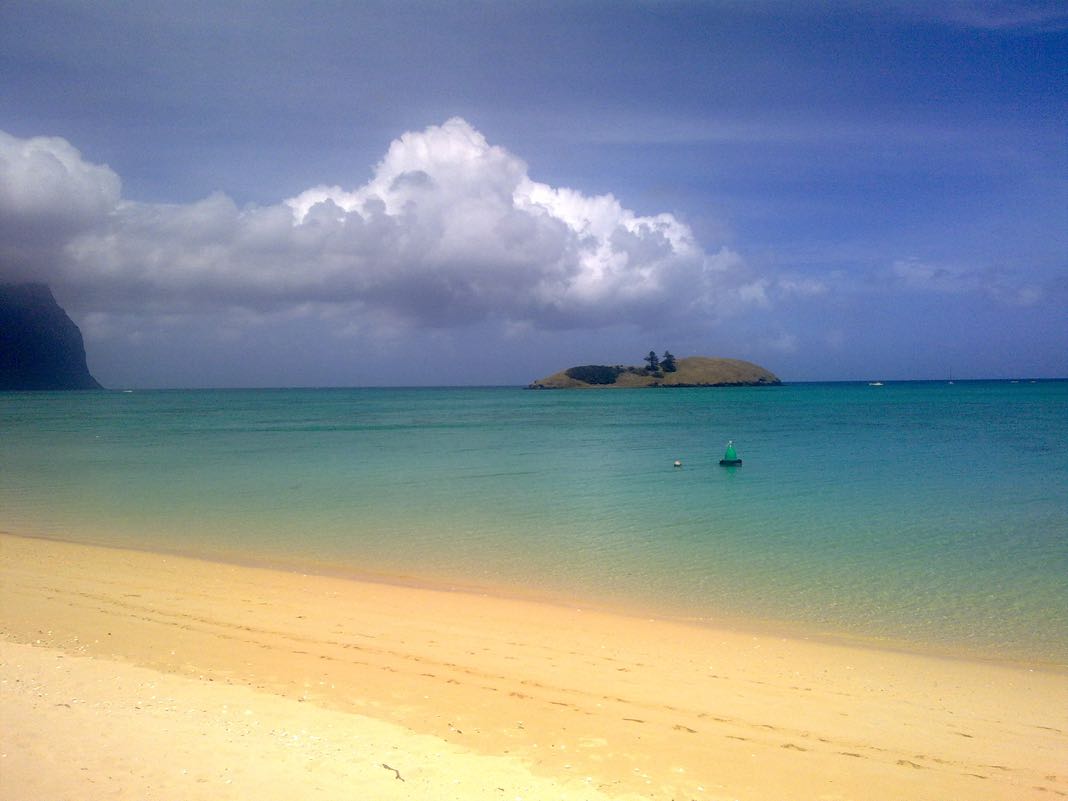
[(915, 514)]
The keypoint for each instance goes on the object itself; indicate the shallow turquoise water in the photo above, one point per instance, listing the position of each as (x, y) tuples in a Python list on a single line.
[(920, 514)]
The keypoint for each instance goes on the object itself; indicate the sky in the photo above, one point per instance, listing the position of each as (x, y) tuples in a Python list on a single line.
[(259, 194)]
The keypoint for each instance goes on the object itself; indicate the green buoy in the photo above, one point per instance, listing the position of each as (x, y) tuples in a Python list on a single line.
[(730, 458)]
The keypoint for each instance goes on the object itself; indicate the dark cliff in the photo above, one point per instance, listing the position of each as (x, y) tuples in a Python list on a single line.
[(40, 346)]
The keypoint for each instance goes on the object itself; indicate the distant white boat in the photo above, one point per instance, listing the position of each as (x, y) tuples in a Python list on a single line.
[(875, 383)]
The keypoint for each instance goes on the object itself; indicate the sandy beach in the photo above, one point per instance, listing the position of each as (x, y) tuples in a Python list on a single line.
[(132, 675)]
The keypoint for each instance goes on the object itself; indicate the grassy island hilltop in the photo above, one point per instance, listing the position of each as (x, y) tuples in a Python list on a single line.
[(692, 371)]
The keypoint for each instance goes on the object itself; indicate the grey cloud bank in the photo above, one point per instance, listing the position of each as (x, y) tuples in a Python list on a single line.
[(449, 231)]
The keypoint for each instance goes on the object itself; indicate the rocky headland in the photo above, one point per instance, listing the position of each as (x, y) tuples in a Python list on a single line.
[(41, 348)]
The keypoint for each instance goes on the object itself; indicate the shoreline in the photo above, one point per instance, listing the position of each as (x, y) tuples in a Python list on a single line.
[(765, 627), (595, 704)]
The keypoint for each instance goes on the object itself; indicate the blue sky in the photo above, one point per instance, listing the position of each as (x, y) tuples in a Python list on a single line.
[(269, 194)]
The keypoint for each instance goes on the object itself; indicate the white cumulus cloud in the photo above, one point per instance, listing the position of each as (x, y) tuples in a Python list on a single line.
[(48, 194), (449, 230)]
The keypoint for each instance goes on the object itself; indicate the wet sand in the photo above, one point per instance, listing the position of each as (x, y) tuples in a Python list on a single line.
[(138, 675)]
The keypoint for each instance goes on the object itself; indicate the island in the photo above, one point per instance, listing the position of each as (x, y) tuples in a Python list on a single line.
[(691, 371), (41, 348)]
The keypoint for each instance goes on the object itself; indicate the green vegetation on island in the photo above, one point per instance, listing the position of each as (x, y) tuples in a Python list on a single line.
[(662, 371)]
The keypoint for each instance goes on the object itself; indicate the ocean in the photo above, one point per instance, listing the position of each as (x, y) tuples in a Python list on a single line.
[(928, 516)]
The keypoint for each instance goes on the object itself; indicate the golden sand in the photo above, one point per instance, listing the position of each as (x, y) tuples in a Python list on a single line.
[(134, 675)]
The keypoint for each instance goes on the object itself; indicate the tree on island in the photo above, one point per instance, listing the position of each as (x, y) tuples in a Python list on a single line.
[(653, 360), (667, 364)]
